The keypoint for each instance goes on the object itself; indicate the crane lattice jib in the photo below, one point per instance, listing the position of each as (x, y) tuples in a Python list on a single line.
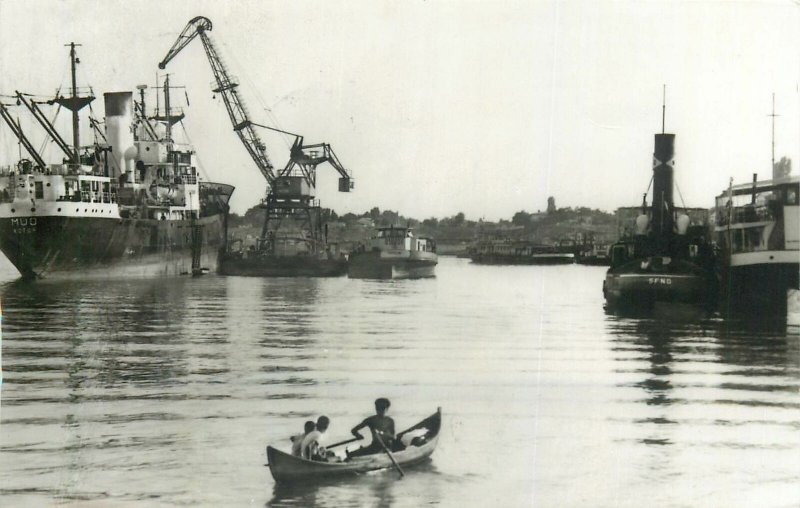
[(227, 88)]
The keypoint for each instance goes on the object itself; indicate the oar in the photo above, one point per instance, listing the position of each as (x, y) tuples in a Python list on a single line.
[(346, 441), (391, 457)]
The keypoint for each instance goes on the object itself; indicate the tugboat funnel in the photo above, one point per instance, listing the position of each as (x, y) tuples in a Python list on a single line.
[(663, 167)]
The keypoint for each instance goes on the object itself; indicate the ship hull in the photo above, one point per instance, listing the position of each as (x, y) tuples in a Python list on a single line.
[(283, 266), (376, 265), (630, 285), (760, 279), (95, 247)]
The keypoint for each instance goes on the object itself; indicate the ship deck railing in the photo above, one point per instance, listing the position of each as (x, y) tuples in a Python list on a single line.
[(745, 214), (52, 169)]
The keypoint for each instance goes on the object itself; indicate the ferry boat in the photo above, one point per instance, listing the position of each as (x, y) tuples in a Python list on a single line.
[(664, 253), (131, 204), (519, 252), (757, 228), (394, 253)]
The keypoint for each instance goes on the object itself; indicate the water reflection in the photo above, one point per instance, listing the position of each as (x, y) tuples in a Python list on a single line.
[(685, 361), (381, 489), (106, 361)]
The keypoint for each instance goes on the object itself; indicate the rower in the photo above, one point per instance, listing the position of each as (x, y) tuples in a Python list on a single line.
[(381, 427), (297, 440)]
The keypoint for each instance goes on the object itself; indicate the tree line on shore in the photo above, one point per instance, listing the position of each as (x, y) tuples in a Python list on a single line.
[(544, 227)]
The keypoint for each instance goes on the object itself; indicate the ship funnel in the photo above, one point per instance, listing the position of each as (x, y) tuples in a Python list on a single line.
[(663, 167), (119, 131)]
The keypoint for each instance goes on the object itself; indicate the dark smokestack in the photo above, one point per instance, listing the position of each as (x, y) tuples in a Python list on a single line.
[(663, 166)]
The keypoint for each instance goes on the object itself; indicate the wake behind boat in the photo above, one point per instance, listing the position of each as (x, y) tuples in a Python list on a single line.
[(286, 468)]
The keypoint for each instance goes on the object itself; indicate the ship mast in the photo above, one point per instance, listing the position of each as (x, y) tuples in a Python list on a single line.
[(75, 103), (168, 117), (773, 115)]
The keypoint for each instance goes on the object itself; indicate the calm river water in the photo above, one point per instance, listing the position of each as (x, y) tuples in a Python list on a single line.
[(165, 392)]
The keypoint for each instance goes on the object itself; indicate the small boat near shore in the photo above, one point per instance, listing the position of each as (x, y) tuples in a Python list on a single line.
[(287, 468), (510, 252), (394, 253)]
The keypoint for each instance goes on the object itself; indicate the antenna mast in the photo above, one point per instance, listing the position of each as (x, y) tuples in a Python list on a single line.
[(773, 115), (75, 103), (663, 108)]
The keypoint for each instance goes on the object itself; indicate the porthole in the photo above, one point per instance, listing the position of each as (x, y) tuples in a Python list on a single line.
[(59, 209), (33, 209), (13, 211), (48, 184)]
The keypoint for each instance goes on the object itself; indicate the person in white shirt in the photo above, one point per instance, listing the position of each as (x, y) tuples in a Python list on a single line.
[(297, 441), (312, 447)]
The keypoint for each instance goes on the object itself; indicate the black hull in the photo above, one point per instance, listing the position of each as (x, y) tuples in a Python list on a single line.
[(277, 266), (370, 265), (591, 261), (637, 285), (758, 287), (80, 247)]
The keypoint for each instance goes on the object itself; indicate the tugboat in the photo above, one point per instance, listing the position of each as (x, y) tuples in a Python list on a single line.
[(129, 205), (667, 258), (394, 253), (758, 231)]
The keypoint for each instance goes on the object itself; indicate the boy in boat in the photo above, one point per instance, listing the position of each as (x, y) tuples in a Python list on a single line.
[(297, 441), (311, 447), (382, 428)]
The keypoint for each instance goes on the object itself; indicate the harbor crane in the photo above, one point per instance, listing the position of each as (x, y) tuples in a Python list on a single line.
[(290, 191)]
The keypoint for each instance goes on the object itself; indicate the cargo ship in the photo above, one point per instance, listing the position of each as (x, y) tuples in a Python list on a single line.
[(758, 230), (664, 254), (394, 253), (131, 204)]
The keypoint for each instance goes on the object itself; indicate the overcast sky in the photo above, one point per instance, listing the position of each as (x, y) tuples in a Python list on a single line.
[(483, 107)]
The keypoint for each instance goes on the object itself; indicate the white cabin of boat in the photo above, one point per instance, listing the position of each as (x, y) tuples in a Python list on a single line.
[(759, 222), (400, 239)]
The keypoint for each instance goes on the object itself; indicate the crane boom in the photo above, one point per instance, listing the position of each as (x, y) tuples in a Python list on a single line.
[(17, 130), (244, 128)]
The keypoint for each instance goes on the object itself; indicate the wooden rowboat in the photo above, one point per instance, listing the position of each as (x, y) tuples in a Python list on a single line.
[(286, 468)]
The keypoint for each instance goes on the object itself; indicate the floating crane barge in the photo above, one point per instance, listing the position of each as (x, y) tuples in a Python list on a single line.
[(292, 241)]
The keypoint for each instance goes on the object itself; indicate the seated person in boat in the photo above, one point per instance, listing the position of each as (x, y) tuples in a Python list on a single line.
[(382, 428), (312, 447), (297, 440)]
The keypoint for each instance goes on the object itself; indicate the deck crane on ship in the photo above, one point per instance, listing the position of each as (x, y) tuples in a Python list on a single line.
[(290, 191)]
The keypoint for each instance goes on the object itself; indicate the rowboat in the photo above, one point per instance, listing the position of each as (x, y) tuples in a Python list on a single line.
[(286, 468)]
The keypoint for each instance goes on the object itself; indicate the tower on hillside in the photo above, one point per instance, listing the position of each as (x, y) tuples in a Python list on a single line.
[(551, 204)]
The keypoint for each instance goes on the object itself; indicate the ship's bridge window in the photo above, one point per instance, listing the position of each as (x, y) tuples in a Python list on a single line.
[(791, 196), (39, 190)]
